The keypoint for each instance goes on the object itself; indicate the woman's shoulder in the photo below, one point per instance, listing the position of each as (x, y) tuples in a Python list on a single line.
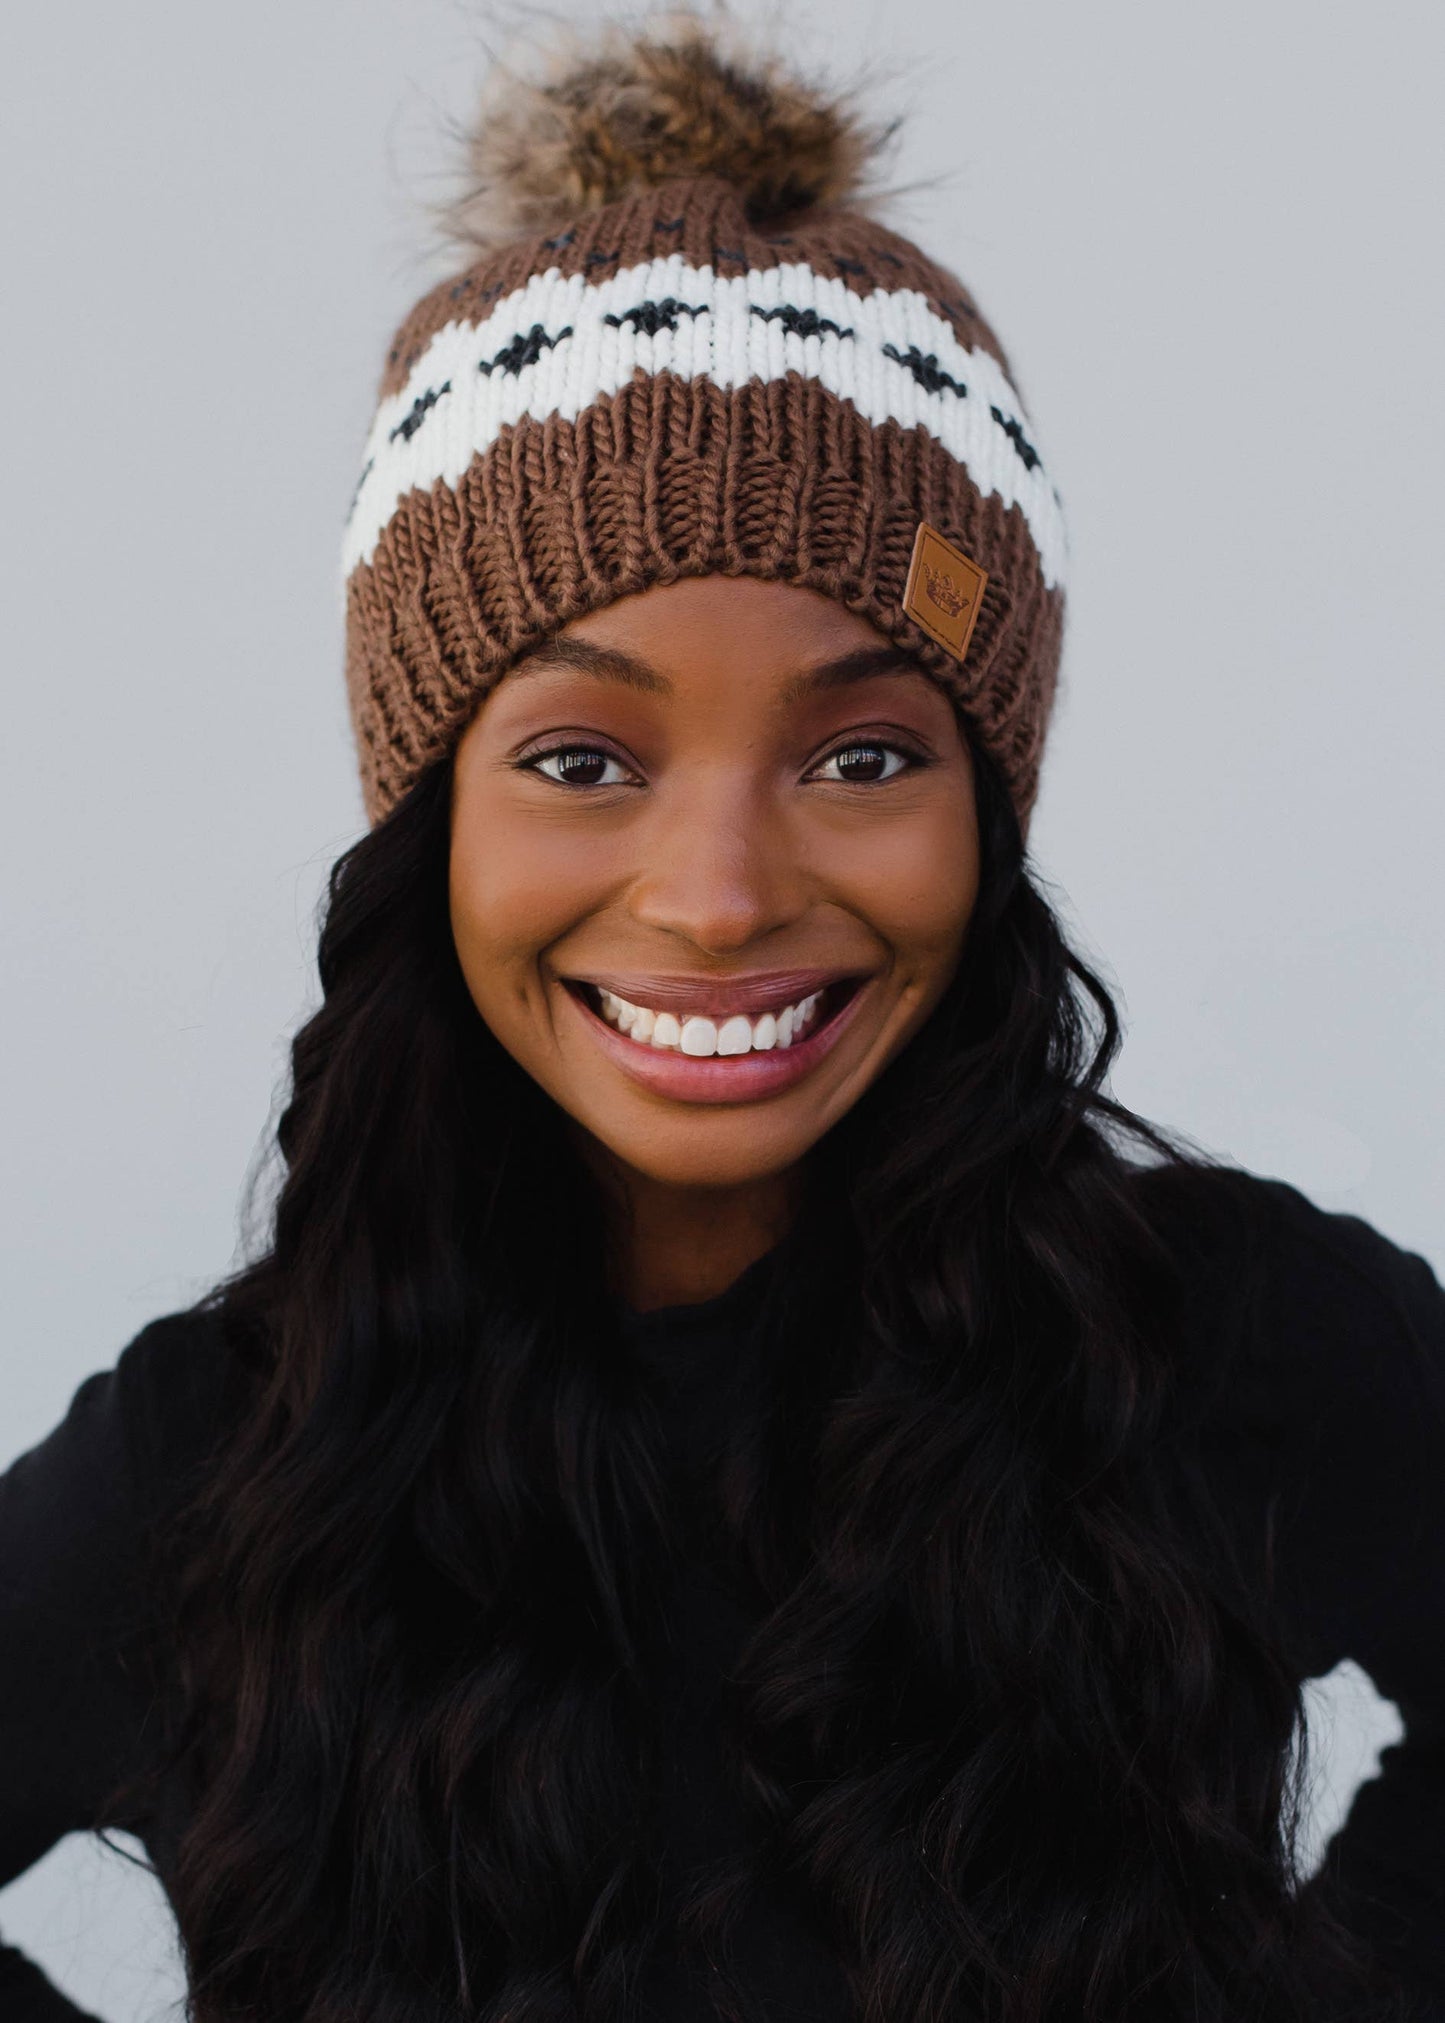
[(1263, 1242), (1318, 1342), (1312, 1347), (79, 1511), (127, 1448), (178, 1385)]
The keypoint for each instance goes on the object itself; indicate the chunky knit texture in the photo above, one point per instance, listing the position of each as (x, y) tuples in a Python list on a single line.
[(664, 388)]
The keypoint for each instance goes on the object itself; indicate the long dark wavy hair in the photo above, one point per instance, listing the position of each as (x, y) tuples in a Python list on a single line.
[(1031, 1752)]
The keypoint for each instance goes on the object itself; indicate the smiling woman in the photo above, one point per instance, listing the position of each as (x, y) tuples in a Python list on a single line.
[(743, 1483)]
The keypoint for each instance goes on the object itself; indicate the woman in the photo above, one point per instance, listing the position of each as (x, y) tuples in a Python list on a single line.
[(743, 1483)]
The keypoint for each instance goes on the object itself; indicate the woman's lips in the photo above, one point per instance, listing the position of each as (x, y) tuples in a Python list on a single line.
[(714, 1078), (751, 993)]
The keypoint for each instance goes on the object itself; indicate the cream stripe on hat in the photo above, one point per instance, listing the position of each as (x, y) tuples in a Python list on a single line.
[(560, 342)]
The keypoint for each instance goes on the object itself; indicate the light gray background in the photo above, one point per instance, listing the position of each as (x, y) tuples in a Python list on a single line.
[(1208, 236)]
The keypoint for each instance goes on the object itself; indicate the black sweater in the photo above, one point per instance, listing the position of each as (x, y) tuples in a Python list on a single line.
[(1316, 1350)]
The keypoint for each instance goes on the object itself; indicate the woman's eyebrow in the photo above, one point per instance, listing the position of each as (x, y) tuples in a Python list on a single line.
[(612, 663), (856, 666), (608, 663)]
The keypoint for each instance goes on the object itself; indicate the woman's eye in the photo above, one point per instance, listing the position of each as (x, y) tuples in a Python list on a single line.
[(859, 763), (577, 765)]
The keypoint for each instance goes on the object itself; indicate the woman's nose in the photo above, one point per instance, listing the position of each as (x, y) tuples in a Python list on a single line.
[(719, 864)]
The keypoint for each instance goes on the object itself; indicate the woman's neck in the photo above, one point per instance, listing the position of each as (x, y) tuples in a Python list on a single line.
[(674, 1246)]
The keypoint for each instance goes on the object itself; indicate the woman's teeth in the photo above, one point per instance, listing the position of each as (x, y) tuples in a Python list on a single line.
[(701, 1036)]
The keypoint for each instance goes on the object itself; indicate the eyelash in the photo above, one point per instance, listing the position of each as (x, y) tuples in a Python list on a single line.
[(916, 761)]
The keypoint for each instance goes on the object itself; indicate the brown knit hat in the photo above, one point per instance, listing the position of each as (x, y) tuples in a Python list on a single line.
[(687, 349)]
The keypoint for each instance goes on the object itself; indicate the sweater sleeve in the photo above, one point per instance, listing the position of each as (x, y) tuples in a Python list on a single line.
[(1357, 1325), (73, 1700)]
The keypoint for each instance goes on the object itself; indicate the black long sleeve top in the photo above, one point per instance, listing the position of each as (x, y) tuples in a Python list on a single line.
[(1318, 1350)]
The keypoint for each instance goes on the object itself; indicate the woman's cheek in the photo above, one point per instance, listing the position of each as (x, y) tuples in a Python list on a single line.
[(514, 893), (915, 878)]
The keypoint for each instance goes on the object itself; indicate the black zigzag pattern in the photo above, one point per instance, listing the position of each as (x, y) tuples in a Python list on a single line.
[(366, 470), (930, 374), (523, 350), (1028, 455), (925, 369), (647, 318), (421, 407), (802, 322)]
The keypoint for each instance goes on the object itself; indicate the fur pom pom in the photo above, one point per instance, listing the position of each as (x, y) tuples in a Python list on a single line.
[(616, 111)]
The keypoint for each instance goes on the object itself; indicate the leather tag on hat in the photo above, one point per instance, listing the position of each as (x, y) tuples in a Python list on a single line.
[(944, 590)]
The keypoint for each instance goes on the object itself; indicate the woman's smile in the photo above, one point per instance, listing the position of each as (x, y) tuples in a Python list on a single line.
[(697, 1057)]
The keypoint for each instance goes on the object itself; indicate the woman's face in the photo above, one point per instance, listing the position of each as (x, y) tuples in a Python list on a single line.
[(712, 800)]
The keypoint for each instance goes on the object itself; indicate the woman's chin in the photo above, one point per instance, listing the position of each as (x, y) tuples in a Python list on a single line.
[(719, 1151)]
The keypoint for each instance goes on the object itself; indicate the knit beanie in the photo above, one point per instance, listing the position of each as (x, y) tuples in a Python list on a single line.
[(685, 346)]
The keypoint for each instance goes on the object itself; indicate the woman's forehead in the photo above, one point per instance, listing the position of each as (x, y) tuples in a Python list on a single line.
[(718, 614)]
